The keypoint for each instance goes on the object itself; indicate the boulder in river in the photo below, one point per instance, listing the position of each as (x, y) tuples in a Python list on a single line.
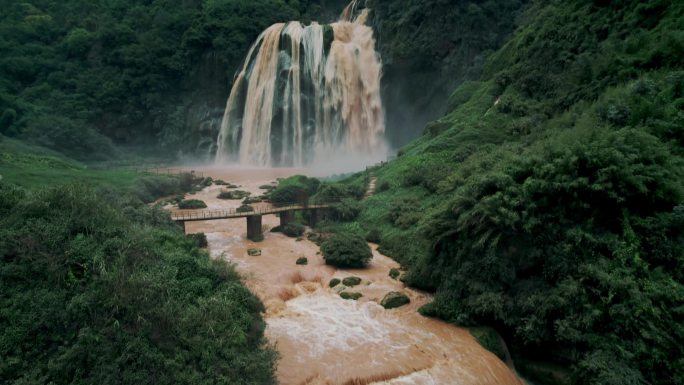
[(351, 281), (254, 252), (394, 299), (350, 295)]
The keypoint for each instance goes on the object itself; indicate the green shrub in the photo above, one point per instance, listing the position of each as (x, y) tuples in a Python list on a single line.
[(245, 209), (302, 261), (200, 239), (191, 204), (374, 236), (490, 340), (293, 189), (405, 212), (293, 230), (346, 250), (346, 210), (383, 186), (394, 273), (334, 282)]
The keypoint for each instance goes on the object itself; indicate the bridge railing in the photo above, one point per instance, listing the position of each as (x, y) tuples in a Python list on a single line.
[(198, 215)]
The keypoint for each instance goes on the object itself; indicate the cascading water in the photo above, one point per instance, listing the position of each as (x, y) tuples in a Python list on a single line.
[(306, 93)]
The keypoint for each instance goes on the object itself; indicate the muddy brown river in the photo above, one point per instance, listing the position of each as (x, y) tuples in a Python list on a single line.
[(323, 339)]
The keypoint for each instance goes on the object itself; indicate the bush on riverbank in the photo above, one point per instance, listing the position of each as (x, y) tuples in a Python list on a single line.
[(245, 209), (346, 250), (105, 291), (200, 239), (293, 230)]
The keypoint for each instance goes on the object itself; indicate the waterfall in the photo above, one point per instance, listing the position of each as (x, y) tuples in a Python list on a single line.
[(306, 93)]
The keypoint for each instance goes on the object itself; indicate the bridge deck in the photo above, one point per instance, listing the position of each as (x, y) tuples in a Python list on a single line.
[(208, 215)]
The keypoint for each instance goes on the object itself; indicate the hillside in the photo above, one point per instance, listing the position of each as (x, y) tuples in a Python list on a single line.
[(547, 202)]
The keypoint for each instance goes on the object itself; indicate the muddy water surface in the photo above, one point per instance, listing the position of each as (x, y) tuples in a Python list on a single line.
[(323, 339)]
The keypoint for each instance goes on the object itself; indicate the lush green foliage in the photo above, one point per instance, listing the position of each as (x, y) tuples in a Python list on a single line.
[(294, 189), (346, 250), (97, 288), (548, 202), (245, 209), (293, 230)]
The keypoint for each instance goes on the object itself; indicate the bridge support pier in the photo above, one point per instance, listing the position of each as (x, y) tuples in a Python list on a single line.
[(287, 217), (254, 232), (314, 216), (185, 229)]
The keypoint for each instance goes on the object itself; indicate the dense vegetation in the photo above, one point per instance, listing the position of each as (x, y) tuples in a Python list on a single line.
[(99, 288), (77, 76), (346, 250), (548, 202)]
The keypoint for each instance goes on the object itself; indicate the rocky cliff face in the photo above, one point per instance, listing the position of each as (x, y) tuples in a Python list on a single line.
[(430, 47)]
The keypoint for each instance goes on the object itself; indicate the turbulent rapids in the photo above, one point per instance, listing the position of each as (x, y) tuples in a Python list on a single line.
[(306, 93)]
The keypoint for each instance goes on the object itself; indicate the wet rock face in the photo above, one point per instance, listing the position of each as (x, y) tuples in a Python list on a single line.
[(395, 299)]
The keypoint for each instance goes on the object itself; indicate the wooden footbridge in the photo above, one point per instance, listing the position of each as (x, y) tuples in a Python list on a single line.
[(254, 230)]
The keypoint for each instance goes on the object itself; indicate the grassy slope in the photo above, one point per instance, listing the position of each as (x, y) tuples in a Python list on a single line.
[(579, 83), (32, 166), (98, 287)]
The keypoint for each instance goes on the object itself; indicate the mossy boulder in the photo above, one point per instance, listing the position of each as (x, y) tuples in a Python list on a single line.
[(334, 282), (302, 261), (351, 281), (233, 195), (350, 295), (395, 299), (192, 204), (254, 252), (394, 273)]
